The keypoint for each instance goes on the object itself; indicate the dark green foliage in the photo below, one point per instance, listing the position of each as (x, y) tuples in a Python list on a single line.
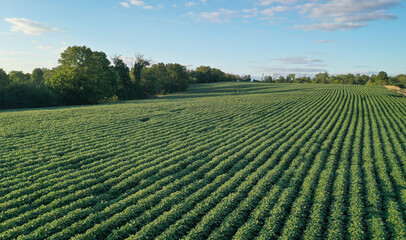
[(136, 70), (163, 78), (154, 77), (203, 74), (37, 77), (399, 80), (206, 74), (291, 78), (27, 96), (87, 77), (83, 77), (19, 90), (246, 78), (268, 79), (178, 76), (321, 78), (4, 79), (379, 80), (382, 78), (125, 87), (281, 79), (18, 77)]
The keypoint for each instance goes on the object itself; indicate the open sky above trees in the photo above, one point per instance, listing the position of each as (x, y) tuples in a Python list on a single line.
[(244, 36)]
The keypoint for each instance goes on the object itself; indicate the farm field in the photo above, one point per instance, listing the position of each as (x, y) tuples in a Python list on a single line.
[(219, 161)]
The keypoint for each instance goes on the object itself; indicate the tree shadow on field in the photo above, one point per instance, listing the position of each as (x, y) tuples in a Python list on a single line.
[(211, 90), (197, 91)]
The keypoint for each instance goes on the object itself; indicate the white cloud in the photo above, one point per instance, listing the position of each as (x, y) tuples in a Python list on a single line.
[(128, 3), (10, 52), (45, 48), (271, 11), (303, 66), (187, 65), (125, 4), (363, 72), (340, 8), (361, 66), (220, 16), (137, 2), (328, 15), (288, 70), (366, 17), (319, 15), (60, 50), (345, 14), (298, 60), (250, 12), (194, 3), (330, 26), (127, 60), (326, 41), (141, 4), (190, 4), (269, 2), (49, 48), (30, 27)]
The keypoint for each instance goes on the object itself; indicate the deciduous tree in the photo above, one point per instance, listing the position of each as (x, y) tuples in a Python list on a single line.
[(37, 76), (125, 87), (18, 77), (4, 79), (83, 76)]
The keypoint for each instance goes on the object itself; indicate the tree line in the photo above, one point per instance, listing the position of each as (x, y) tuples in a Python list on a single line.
[(379, 79), (84, 76)]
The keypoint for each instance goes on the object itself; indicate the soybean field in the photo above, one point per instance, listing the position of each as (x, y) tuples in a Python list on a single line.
[(219, 161)]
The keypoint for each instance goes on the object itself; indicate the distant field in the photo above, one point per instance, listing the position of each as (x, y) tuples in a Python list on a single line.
[(220, 161)]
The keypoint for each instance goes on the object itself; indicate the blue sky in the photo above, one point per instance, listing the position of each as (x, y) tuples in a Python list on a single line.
[(242, 36)]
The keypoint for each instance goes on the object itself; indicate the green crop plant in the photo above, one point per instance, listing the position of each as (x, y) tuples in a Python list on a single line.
[(276, 161)]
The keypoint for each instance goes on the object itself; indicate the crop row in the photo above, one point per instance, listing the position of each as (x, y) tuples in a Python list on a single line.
[(293, 161)]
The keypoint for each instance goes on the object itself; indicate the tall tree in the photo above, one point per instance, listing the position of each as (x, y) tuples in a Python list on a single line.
[(83, 76), (281, 79), (268, 78), (179, 77), (124, 84), (139, 63), (401, 80), (18, 77), (321, 78), (290, 78), (217, 75), (382, 78), (37, 76), (4, 79), (139, 66), (203, 74), (163, 78)]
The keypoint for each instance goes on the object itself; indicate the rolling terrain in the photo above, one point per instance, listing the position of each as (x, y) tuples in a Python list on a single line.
[(219, 161)]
